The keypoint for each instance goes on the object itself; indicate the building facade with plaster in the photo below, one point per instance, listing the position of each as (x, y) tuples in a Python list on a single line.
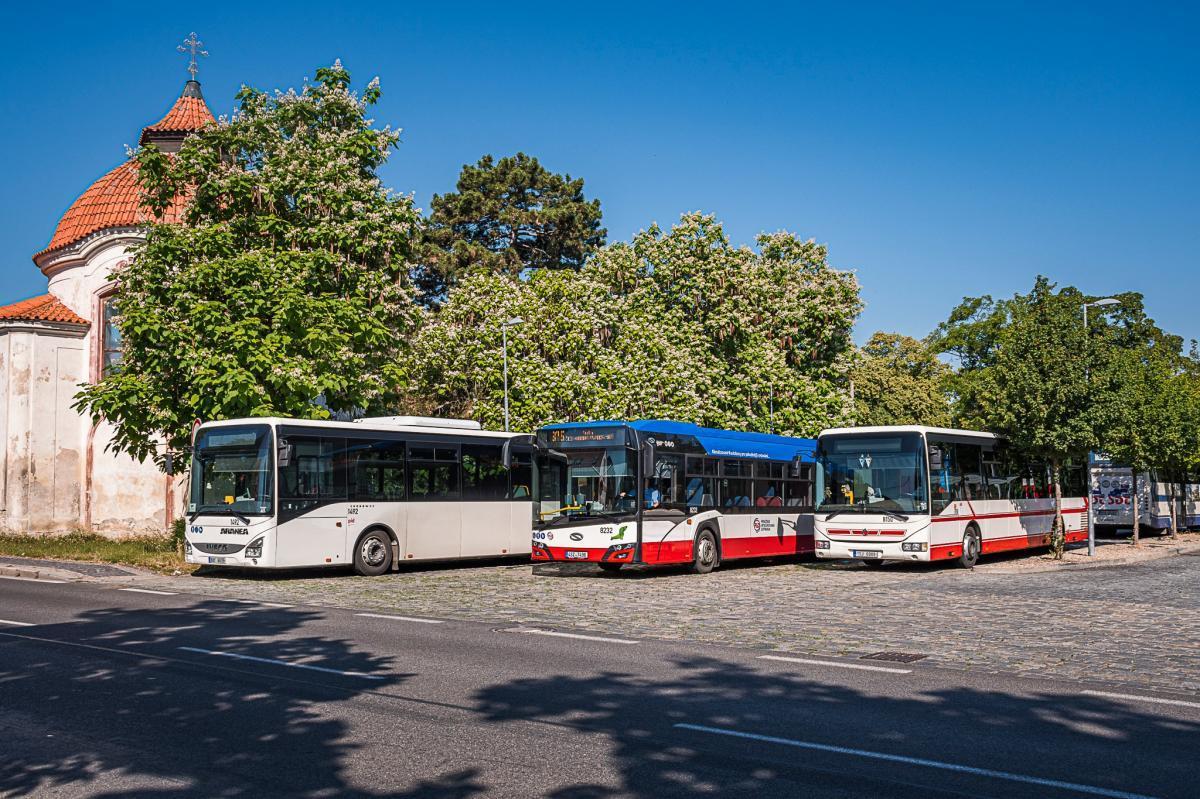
[(57, 471)]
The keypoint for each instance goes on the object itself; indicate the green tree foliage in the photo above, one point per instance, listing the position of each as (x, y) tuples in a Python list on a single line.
[(1153, 419), (899, 380), (1023, 364), (508, 216), (677, 324), (287, 281)]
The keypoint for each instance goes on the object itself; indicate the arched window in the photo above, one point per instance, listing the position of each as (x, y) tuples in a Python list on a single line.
[(110, 343)]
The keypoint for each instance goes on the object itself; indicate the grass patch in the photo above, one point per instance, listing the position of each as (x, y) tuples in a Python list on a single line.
[(160, 553)]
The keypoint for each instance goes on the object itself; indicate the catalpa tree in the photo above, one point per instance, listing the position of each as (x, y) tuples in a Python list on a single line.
[(678, 323), (285, 289)]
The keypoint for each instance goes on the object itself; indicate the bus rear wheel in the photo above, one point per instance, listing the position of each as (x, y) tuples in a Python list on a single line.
[(972, 545), (705, 555), (373, 553)]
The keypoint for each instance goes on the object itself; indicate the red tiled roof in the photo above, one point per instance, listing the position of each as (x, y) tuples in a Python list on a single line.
[(190, 113), (46, 308), (112, 201)]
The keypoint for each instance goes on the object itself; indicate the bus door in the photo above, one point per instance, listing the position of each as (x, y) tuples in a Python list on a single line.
[(312, 502), (434, 501)]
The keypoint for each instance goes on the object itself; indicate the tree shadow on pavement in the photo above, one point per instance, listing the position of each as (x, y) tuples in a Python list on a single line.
[(1084, 739), (118, 702)]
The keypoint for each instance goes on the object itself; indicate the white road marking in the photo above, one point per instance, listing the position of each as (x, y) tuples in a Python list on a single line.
[(535, 631), (1135, 698), (148, 591), (859, 666), (16, 623), (248, 602), (398, 618), (919, 761), (31, 579), (273, 662)]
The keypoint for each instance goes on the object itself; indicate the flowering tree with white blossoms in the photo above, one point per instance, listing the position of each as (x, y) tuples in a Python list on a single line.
[(286, 282), (677, 324)]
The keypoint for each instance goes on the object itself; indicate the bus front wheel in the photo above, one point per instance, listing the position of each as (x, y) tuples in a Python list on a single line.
[(373, 553), (705, 554), (972, 545)]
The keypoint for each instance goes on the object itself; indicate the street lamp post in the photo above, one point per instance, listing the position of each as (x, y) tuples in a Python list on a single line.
[(516, 320), (1091, 521)]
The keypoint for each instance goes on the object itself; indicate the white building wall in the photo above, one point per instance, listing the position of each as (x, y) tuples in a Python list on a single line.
[(43, 452), (56, 471)]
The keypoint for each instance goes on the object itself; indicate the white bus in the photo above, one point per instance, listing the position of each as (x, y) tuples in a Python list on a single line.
[(929, 493), (1112, 498), (272, 493)]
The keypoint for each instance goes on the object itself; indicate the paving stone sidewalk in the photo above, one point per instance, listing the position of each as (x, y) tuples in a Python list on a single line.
[(1135, 623)]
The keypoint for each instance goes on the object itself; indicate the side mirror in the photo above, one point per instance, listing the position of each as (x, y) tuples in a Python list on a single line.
[(284, 453), (796, 467)]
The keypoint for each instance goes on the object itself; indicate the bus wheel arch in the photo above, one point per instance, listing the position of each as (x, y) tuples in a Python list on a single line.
[(706, 549), (972, 546), (375, 551)]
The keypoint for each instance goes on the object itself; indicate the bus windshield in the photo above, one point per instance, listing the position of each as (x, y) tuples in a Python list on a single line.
[(231, 471), (590, 482), (871, 473)]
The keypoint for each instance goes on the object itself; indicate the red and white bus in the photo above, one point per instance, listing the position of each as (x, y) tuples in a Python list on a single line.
[(931, 493)]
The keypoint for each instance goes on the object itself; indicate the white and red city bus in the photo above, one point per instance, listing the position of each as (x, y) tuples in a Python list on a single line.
[(659, 492), (917, 493)]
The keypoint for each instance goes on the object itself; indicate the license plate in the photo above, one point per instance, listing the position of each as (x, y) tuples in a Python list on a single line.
[(215, 560), (574, 554), (866, 553)]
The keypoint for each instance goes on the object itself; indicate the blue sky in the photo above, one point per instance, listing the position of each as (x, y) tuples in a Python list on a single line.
[(939, 150)]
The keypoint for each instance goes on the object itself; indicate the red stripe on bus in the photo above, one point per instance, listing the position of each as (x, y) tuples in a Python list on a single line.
[(1016, 515)]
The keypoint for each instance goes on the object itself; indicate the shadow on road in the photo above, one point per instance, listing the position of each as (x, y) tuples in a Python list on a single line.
[(308, 573), (1032, 734), (110, 704)]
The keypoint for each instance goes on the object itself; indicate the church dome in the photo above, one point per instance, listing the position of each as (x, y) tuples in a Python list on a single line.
[(113, 201)]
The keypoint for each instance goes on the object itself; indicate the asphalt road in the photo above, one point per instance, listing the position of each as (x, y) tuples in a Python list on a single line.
[(108, 692)]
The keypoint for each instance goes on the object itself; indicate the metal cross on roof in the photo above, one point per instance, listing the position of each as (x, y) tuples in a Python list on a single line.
[(196, 48)]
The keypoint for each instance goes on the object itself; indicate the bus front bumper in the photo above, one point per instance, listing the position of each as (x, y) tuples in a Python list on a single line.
[(618, 553), (871, 550)]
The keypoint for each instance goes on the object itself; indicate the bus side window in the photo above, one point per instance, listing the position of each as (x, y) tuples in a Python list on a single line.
[(483, 474), (941, 478), (520, 485)]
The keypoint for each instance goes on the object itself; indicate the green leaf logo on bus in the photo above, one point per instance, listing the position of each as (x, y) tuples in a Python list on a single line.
[(620, 534)]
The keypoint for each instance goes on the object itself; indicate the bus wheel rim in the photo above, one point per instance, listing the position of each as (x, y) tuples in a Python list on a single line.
[(373, 551), (707, 550)]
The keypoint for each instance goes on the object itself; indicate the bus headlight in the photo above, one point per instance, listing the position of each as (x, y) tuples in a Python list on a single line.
[(254, 549), (916, 546), (822, 544), (187, 547)]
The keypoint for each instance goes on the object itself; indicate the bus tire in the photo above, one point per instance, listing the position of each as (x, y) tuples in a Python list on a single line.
[(373, 553), (706, 555), (972, 546), (608, 566)]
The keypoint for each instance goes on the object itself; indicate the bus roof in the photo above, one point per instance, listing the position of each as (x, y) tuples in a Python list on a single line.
[(714, 440), (909, 428), (365, 425)]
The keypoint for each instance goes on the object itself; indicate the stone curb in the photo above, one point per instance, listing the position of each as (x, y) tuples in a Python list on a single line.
[(1158, 554), (30, 573)]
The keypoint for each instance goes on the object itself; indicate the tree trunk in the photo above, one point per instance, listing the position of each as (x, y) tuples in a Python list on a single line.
[(1058, 532), (1172, 499), (1133, 498)]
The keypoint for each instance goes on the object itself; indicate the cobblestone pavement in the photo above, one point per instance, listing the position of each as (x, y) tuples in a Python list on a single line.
[(1136, 623)]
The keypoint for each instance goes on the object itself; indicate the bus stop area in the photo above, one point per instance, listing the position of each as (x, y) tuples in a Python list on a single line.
[(1129, 615)]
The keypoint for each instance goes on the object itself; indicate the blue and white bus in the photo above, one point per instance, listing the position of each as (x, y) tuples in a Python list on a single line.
[(659, 492)]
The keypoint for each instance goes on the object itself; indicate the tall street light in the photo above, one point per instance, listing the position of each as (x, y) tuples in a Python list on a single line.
[(1091, 520), (516, 320)]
